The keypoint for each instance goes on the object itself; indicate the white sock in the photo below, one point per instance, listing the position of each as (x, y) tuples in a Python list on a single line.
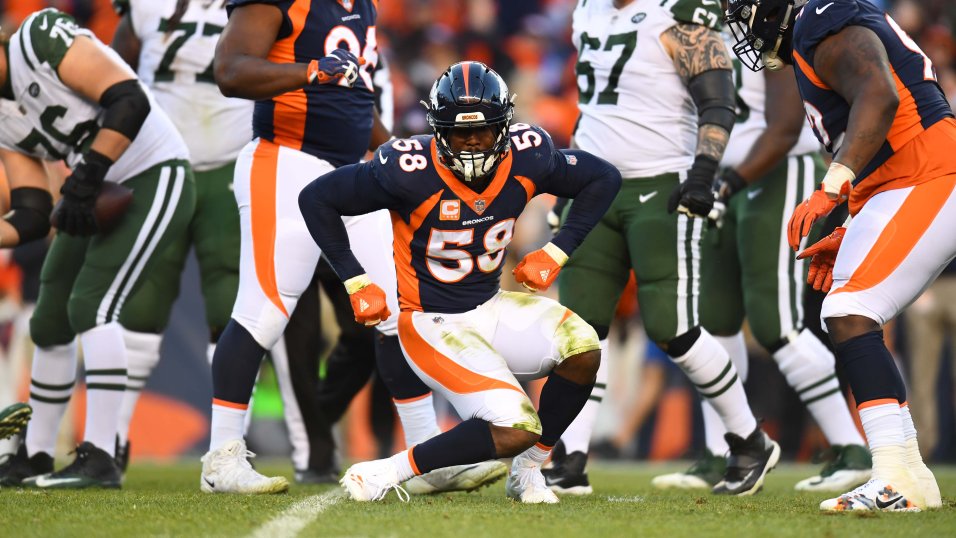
[(537, 454), (736, 347), (713, 429), (142, 352), (909, 427), (104, 356), (810, 369), (882, 424), (709, 367), (578, 435), (52, 380), (403, 462), (419, 422), (227, 424), (247, 413)]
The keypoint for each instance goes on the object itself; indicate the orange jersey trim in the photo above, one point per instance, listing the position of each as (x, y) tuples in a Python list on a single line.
[(809, 72), (409, 297), (230, 405), (262, 207), (442, 369), (528, 186), (463, 191), (567, 314), (874, 403), (907, 124), (290, 110), (901, 234)]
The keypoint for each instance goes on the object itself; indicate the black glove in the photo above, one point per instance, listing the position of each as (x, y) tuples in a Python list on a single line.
[(728, 183), (695, 196), (74, 214)]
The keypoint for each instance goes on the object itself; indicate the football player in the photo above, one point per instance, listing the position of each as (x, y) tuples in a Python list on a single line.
[(76, 100), (872, 99), (667, 143), (772, 160), (454, 197), (314, 112)]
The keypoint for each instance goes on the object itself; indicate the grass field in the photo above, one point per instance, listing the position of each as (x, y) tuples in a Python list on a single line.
[(165, 500)]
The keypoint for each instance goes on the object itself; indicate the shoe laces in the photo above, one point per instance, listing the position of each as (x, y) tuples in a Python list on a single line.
[(399, 490), (236, 454), (529, 476)]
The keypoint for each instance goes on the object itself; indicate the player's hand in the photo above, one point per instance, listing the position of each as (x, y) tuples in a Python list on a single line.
[(727, 184), (817, 206), (538, 270), (340, 64), (74, 214), (695, 197), (368, 301), (822, 256)]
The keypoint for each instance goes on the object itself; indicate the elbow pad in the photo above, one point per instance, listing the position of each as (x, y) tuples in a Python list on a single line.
[(714, 94), (125, 107), (29, 214)]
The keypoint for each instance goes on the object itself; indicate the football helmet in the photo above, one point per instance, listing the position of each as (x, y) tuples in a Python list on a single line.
[(467, 95), (763, 30)]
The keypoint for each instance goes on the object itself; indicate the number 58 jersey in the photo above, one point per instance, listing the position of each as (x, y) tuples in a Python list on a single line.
[(450, 240)]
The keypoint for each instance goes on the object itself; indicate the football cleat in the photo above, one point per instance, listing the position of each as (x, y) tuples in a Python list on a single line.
[(122, 455), (847, 467), (526, 483), (705, 473), (372, 480), (749, 462), (227, 470), (875, 495), (317, 476), (457, 478), (92, 468), (13, 419), (568, 476), (18, 467), (925, 480)]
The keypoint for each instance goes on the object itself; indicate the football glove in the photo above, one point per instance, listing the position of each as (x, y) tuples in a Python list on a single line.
[(727, 184), (340, 64), (695, 196), (822, 256), (368, 301), (538, 270), (74, 213), (834, 191)]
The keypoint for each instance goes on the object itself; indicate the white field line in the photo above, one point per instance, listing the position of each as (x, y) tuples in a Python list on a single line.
[(296, 517)]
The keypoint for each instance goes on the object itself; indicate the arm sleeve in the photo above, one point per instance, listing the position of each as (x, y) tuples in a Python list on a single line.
[(592, 182), (346, 191)]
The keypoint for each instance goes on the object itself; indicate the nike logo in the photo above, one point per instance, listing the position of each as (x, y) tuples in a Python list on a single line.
[(708, 2), (45, 481), (754, 193), (645, 197), (382, 158), (820, 10), (43, 24), (210, 482), (886, 504)]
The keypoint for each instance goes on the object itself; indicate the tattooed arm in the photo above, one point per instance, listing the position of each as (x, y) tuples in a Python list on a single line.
[(703, 64)]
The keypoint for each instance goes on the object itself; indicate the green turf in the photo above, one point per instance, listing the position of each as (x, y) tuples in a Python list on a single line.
[(165, 500)]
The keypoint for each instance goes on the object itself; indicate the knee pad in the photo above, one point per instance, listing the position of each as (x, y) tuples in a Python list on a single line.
[(574, 336), (29, 214)]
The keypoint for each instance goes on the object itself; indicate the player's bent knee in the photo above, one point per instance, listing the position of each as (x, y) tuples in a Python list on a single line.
[(575, 336), (581, 368), (511, 441), (844, 328), (82, 314), (46, 332)]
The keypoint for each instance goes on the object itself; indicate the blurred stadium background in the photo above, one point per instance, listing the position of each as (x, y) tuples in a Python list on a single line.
[(650, 413)]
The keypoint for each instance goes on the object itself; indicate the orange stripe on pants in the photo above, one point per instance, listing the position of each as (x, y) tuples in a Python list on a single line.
[(262, 207)]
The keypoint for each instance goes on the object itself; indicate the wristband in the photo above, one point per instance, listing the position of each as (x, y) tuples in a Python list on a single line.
[(556, 254), (356, 283), (836, 176)]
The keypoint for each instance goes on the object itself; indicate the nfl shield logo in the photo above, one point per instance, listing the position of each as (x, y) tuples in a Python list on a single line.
[(480, 206), (347, 4)]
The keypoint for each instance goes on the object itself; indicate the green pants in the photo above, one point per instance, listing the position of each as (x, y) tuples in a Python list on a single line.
[(748, 269), (87, 281), (663, 249)]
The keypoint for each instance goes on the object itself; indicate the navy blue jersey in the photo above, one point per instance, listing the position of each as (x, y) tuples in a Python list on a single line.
[(450, 241), (922, 102), (331, 121)]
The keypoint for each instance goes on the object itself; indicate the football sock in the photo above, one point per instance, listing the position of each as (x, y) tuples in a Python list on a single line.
[(419, 422), (538, 454), (51, 384), (709, 367), (398, 376), (882, 423), (227, 423), (713, 429), (578, 435), (142, 351), (235, 367), (909, 427), (736, 347), (560, 402), (870, 369), (468, 442), (104, 357), (811, 370)]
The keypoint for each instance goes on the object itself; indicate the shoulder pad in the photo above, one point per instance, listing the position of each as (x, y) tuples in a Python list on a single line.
[(820, 19), (703, 12), (397, 163)]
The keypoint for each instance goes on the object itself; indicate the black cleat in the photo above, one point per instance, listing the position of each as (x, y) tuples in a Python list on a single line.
[(18, 467), (568, 476), (317, 476), (13, 419), (748, 463), (122, 455), (92, 468)]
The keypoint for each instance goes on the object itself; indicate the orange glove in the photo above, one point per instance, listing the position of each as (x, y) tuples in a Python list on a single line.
[(834, 190), (822, 255), (368, 301), (538, 270)]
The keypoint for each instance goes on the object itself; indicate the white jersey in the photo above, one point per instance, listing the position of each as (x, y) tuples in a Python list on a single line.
[(63, 122), (636, 111), (176, 63), (751, 118), (15, 134)]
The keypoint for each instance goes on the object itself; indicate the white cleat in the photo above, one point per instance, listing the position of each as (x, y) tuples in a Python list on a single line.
[(838, 481), (680, 481), (457, 478), (925, 480), (372, 480), (876, 496), (526, 483), (227, 470)]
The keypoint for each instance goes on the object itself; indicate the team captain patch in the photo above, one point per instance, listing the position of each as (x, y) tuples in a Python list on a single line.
[(450, 210)]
